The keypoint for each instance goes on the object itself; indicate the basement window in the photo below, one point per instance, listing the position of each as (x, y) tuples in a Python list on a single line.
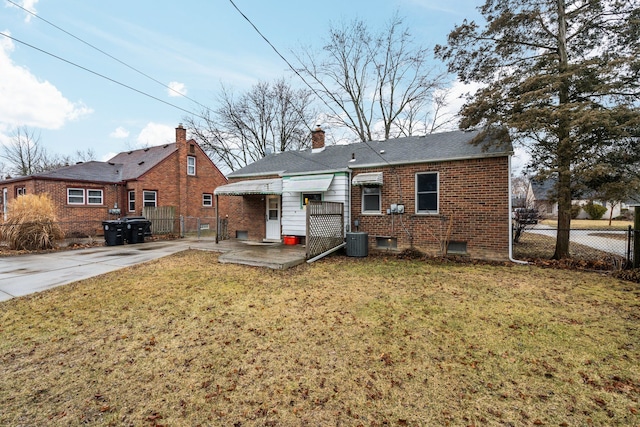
[(459, 248)]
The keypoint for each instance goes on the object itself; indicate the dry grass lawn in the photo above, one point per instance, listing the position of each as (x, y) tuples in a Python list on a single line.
[(185, 341)]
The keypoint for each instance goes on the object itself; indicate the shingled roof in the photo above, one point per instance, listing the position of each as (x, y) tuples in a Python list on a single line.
[(137, 162), (124, 166), (446, 146)]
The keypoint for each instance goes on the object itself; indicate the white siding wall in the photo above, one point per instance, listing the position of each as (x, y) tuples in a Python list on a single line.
[(294, 215)]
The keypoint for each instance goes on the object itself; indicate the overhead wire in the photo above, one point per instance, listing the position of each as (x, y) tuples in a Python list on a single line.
[(296, 72), (105, 53), (99, 75)]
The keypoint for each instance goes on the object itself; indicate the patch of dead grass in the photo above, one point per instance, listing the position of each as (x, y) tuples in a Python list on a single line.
[(346, 341)]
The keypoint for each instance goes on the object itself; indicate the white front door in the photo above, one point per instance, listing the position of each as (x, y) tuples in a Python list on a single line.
[(273, 218)]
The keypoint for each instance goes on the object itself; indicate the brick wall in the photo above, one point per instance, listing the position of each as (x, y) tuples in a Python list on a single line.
[(245, 213), (473, 195), (75, 220), (174, 187)]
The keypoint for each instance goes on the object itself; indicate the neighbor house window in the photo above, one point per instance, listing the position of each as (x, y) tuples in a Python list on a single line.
[(94, 197), (371, 199), (427, 193), (132, 201), (150, 198), (21, 191), (207, 199), (191, 165), (311, 197), (75, 196)]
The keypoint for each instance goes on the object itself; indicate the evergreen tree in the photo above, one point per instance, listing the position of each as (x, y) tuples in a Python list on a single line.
[(562, 77)]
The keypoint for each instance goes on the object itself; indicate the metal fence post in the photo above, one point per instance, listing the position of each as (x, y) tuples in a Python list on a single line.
[(636, 238), (198, 225), (181, 226)]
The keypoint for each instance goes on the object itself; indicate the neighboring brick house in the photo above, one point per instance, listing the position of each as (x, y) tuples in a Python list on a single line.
[(180, 175), (408, 192)]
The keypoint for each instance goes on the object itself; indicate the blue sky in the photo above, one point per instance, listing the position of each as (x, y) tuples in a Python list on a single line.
[(192, 45)]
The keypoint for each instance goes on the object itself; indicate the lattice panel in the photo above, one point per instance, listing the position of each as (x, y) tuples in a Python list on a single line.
[(325, 227)]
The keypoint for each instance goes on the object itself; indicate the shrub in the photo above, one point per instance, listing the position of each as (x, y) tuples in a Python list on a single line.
[(575, 211), (594, 210), (31, 223)]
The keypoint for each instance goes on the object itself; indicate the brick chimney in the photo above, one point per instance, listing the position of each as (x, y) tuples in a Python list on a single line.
[(317, 138), (181, 134)]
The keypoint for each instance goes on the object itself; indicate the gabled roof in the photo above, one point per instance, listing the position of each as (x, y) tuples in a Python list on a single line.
[(543, 190), (446, 146), (138, 162)]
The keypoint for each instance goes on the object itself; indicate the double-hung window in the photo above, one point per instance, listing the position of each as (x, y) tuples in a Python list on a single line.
[(94, 197), (150, 198), (427, 193), (132, 201), (191, 165), (371, 199), (75, 196), (207, 200)]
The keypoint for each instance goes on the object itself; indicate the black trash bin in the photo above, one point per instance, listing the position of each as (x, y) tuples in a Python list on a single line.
[(113, 232), (136, 228), (134, 232), (147, 223)]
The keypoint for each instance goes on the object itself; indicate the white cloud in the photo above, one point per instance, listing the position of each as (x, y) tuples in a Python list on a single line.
[(119, 133), (26, 100), (28, 5), (156, 134), (176, 89)]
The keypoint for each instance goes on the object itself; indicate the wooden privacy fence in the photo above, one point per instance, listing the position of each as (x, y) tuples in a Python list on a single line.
[(162, 219), (325, 227)]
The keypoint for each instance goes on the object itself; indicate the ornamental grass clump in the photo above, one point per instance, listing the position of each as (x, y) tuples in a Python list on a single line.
[(31, 223)]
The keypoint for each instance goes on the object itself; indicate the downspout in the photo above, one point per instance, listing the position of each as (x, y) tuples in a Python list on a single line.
[(349, 201), (510, 224), (217, 221)]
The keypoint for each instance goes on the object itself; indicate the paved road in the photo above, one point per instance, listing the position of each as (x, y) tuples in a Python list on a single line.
[(25, 274), (596, 239)]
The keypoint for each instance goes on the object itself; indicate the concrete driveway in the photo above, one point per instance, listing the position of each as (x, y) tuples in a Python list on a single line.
[(25, 274)]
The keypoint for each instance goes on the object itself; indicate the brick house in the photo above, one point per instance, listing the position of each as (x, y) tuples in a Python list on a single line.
[(421, 192), (180, 175)]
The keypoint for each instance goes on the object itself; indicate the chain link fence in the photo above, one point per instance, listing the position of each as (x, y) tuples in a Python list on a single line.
[(601, 247)]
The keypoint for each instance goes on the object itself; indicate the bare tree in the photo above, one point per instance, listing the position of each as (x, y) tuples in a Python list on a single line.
[(374, 80), (269, 118), (24, 153)]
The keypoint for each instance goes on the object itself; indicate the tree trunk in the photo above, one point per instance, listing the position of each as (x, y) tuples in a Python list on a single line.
[(564, 149)]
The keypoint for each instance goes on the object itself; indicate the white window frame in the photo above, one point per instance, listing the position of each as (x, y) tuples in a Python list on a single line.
[(95, 196), (145, 200), (21, 191), (207, 200), (131, 200), (365, 188), (76, 196), (436, 192), (191, 165)]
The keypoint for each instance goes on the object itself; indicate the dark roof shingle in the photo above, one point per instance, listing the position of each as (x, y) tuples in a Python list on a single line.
[(444, 146)]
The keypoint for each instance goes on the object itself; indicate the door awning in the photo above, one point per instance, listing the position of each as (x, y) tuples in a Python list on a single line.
[(256, 186), (307, 183), (368, 178)]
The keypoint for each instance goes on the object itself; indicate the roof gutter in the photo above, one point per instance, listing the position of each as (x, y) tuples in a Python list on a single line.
[(510, 224)]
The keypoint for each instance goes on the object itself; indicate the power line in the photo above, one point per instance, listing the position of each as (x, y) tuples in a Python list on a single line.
[(105, 53), (297, 73), (100, 75)]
